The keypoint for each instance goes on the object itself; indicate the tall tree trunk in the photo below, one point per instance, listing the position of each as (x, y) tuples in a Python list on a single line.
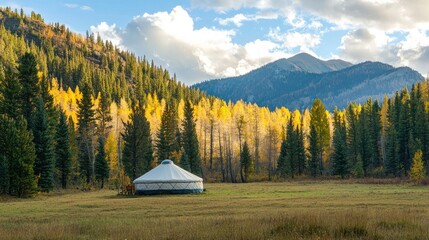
[(211, 144), (221, 157), (205, 145)]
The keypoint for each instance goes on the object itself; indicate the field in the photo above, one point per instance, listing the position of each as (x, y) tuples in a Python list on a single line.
[(289, 210)]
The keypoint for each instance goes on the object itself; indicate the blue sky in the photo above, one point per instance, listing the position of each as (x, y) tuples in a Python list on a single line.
[(205, 39)]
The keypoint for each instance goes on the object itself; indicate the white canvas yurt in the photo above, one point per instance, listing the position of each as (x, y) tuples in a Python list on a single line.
[(168, 178)]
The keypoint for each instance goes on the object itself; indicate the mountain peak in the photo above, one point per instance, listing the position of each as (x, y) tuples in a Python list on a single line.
[(304, 62), (303, 56)]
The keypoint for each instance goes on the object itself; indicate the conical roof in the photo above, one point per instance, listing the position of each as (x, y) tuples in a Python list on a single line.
[(167, 171)]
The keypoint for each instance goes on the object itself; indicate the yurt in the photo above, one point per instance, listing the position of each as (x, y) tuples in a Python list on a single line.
[(168, 178)]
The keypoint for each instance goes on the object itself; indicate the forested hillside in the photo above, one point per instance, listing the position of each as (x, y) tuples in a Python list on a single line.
[(71, 59), (77, 111)]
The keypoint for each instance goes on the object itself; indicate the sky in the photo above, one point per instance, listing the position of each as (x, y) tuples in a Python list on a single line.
[(207, 39)]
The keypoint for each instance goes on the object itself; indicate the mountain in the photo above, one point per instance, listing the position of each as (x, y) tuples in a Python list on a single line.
[(297, 81), (306, 63)]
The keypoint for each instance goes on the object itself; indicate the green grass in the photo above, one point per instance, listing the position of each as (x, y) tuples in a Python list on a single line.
[(290, 210)]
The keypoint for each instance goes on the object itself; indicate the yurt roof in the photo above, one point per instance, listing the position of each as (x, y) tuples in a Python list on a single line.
[(167, 171)]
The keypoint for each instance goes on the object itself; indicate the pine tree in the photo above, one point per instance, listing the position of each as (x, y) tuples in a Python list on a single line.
[(314, 152), (101, 168), (418, 171), (10, 99), (281, 162), (404, 132), (167, 142), (339, 157), (352, 135), (190, 140), (364, 137), (86, 122), (184, 161), (358, 170), (45, 155), (4, 175), (300, 148), (62, 150), (74, 151), (392, 164), (30, 89), (138, 153), (375, 135), (103, 116), (18, 153), (246, 162), (291, 149)]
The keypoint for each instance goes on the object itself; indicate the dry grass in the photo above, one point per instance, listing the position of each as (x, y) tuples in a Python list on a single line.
[(294, 210)]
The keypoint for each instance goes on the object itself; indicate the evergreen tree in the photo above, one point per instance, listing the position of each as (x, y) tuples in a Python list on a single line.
[(62, 150), (358, 170), (18, 154), (30, 89), (138, 154), (74, 151), (246, 162), (320, 126), (4, 175), (86, 122), (281, 162), (45, 155), (419, 124), (392, 165), (190, 140), (300, 148), (101, 168), (167, 142), (184, 161), (103, 116), (314, 152), (404, 132), (375, 136), (10, 99), (363, 135), (352, 135), (339, 157), (291, 149)]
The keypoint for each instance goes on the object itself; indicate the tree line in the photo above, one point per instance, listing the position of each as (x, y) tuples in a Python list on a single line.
[(61, 134)]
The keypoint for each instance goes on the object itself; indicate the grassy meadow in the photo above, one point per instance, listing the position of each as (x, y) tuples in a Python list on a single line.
[(288, 210)]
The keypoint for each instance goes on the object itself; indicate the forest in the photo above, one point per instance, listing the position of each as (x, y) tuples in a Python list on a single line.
[(77, 111)]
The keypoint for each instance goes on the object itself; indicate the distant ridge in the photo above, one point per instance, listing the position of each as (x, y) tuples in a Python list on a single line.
[(295, 82)]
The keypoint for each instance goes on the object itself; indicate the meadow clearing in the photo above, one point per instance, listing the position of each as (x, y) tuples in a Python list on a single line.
[(283, 210)]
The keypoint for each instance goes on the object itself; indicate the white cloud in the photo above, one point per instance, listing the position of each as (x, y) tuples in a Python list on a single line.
[(71, 5), (81, 7), (225, 5), (196, 54), (363, 44), (238, 19), (381, 14), (370, 44), (86, 8), (315, 25), (108, 32), (305, 41), (387, 15)]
